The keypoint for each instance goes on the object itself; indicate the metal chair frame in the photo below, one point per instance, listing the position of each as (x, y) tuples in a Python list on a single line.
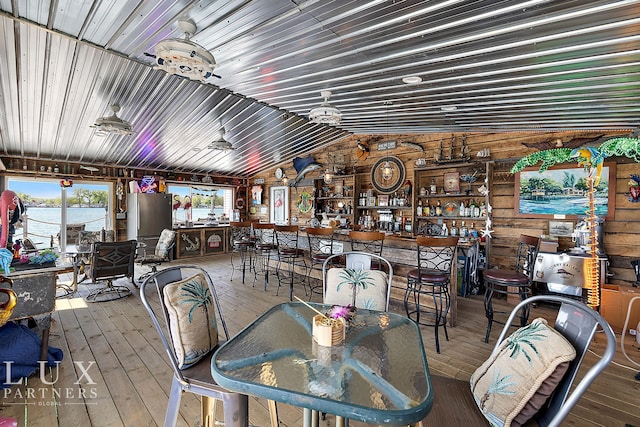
[(196, 379), (242, 241), (264, 245), (320, 248), (576, 322), (436, 262), (287, 239), (368, 241), (499, 281), (159, 255)]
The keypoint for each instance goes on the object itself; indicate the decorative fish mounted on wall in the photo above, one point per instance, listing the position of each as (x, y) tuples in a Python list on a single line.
[(413, 146), (303, 165)]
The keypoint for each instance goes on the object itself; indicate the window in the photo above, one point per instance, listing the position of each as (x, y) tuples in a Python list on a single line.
[(87, 203), (203, 200)]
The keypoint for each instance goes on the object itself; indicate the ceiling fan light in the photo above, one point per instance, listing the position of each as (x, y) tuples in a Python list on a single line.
[(221, 144), (184, 58), (326, 113), (112, 125)]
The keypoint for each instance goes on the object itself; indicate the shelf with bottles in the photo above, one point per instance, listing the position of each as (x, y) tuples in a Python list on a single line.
[(439, 226), (468, 208), (378, 207), (335, 197), (333, 207)]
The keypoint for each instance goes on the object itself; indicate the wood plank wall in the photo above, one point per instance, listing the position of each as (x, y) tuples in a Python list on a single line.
[(622, 235)]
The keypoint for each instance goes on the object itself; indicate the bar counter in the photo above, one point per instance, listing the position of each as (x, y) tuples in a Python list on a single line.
[(400, 251)]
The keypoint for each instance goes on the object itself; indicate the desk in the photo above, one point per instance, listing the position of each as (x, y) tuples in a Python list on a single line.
[(379, 375), (36, 292)]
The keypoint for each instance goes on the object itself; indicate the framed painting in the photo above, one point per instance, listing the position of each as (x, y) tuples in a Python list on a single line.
[(562, 192), (279, 205)]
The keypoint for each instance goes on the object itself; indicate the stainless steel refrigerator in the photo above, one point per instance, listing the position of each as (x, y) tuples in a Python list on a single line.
[(147, 215)]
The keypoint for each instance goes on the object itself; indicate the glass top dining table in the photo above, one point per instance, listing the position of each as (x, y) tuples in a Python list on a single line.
[(379, 374)]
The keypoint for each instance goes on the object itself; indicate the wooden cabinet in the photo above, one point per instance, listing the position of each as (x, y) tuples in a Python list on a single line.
[(337, 197), (195, 242)]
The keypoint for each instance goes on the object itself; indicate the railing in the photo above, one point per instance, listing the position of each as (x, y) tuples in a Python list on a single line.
[(55, 227)]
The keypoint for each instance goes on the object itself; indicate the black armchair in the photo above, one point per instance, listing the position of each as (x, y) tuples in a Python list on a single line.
[(109, 261)]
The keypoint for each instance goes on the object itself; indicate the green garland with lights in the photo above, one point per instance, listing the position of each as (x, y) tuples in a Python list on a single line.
[(547, 158)]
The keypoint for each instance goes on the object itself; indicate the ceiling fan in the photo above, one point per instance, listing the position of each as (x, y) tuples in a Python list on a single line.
[(219, 144), (184, 58), (112, 124)]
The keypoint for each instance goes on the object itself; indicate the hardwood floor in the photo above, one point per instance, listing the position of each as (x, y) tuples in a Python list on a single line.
[(112, 350)]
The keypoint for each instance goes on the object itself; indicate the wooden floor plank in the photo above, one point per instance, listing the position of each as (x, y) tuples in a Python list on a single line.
[(133, 376)]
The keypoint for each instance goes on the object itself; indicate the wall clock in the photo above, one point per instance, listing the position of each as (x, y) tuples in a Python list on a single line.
[(279, 173), (397, 178)]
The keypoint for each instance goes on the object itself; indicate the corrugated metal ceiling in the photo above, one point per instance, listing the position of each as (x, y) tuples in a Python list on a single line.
[(485, 66)]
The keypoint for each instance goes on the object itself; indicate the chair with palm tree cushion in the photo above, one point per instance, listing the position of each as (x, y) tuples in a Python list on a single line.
[(356, 284), (455, 404), (186, 312)]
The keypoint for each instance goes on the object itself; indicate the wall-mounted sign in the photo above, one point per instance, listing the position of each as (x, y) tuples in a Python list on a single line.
[(386, 145), (258, 181)]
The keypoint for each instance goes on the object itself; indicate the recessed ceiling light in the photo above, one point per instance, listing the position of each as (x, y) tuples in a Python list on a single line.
[(449, 108), (412, 79)]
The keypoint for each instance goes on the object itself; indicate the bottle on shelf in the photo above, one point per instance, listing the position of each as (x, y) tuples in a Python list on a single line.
[(472, 231), (438, 208), (426, 210), (462, 209), (445, 230), (454, 229), (464, 231), (419, 208), (433, 188)]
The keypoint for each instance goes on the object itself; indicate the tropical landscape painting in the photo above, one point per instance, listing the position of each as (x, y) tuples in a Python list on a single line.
[(563, 190)]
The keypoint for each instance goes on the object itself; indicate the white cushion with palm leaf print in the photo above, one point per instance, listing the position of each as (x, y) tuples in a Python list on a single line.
[(370, 287), (192, 321), (505, 383)]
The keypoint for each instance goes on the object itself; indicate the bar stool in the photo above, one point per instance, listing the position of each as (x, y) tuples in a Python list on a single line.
[(436, 261), (289, 253), (368, 241), (512, 282), (264, 237), (241, 243), (320, 248)]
